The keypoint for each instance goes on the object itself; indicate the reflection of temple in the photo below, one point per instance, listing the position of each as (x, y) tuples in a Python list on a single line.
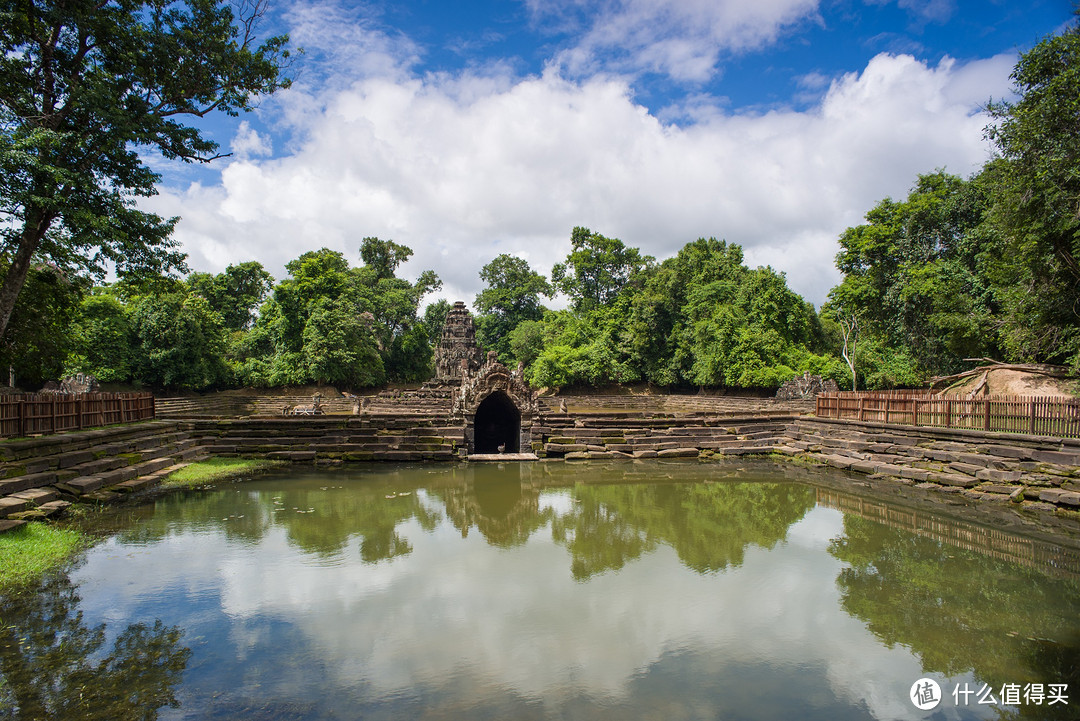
[(495, 404), (501, 501)]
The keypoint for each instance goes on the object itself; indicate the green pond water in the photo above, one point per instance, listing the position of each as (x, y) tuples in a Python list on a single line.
[(546, 591)]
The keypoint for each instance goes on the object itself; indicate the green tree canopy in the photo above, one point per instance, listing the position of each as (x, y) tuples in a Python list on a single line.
[(596, 269), (235, 294), (85, 89), (1036, 265), (511, 296)]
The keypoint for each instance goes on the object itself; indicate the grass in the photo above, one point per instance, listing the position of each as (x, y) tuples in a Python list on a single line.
[(214, 470), (30, 551)]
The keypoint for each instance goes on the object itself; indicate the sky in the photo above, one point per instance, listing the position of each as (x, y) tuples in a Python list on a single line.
[(468, 129)]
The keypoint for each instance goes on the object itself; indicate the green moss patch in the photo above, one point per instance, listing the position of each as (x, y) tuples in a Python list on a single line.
[(214, 470)]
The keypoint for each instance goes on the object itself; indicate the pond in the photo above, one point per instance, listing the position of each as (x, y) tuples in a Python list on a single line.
[(547, 591)]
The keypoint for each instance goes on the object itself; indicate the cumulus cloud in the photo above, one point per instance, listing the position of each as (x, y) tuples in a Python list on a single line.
[(679, 38), (464, 167)]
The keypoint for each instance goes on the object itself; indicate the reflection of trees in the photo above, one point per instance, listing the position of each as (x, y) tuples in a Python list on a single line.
[(319, 519), (52, 666), (962, 611), (708, 525)]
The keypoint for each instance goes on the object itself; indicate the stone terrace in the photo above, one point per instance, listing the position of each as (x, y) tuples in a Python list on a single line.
[(41, 477)]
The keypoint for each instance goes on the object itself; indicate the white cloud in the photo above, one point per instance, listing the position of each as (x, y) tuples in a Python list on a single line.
[(462, 168), (679, 38), (250, 142)]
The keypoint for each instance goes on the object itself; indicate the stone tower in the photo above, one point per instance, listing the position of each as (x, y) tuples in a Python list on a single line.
[(457, 351)]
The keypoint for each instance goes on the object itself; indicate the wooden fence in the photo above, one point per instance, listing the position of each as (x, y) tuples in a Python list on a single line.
[(1043, 416), (31, 414)]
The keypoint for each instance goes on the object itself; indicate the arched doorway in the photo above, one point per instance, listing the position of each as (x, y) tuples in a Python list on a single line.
[(497, 422)]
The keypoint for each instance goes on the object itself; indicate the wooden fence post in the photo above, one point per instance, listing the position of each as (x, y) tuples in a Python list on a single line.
[(986, 421), (1031, 426), (886, 409), (860, 408)]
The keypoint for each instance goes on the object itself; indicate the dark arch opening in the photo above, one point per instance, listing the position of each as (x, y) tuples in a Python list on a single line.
[(497, 422)]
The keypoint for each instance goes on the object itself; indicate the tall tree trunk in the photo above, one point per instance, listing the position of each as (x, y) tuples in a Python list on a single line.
[(37, 223)]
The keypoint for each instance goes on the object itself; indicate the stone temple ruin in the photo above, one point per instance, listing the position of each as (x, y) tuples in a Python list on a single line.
[(457, 353), (495, 404)]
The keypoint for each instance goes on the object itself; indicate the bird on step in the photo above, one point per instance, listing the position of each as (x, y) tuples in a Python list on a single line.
[(502, 448)]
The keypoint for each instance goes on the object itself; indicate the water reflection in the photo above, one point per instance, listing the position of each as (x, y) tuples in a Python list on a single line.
[(961, 611), (549, 591), (54, 666)]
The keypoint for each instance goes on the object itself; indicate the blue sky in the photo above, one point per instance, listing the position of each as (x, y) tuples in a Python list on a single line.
[(469, 129)]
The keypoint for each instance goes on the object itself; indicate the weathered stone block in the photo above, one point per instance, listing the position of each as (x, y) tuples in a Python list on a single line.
[(993, 474), (37, 496), (677, 453), (565, 447), (965, 468), (953, 479), (915, 474), (645, 454), (1058, 458), (1002, 488), (9, 505)]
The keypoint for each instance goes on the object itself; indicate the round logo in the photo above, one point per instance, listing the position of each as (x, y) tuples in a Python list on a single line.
[(925, 694)]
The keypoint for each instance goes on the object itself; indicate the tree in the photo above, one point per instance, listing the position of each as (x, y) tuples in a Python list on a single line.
[(512, 296), (39, 337), (84, 89), (596, 269), (234, 294), (916, 275), (1036, 267), (101, 339), (180, 342), (383, 256)]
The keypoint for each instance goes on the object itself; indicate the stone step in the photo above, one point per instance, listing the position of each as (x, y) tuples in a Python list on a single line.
[(37, 496), (7, 524), (24, 483), (10, 506)]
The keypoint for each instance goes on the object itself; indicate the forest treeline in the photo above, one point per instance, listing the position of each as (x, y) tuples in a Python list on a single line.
[(984, 266)]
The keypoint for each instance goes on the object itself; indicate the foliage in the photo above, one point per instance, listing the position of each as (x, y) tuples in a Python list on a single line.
[(85, 90), (511, 297), (1036, 266), (101, 336), (914, 277), (235, 294), (38, 337), (179, 342), (596, 269), (332, 323)]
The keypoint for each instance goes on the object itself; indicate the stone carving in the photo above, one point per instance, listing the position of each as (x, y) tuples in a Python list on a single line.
[(72, 385), (314, 409), (493, 378), (806, 386), (457, 353)]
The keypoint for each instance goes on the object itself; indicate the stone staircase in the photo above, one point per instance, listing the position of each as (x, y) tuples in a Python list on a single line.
[(330, 440), (41, 477), (673, 405), (1039, 473), (614, 435)]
